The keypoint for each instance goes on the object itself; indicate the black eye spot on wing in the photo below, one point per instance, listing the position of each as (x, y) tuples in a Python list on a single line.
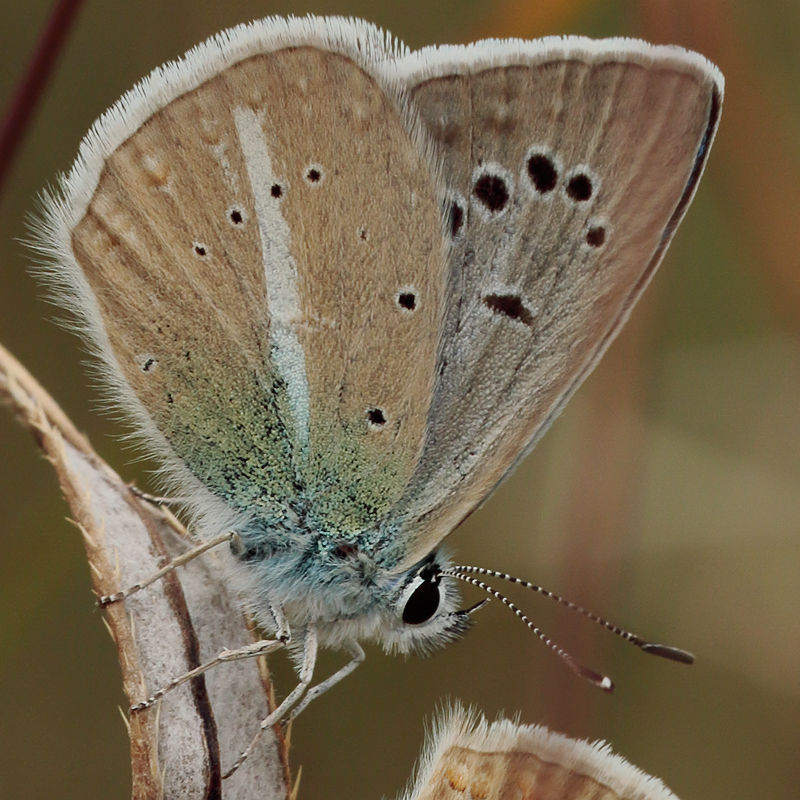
[(492, 192), (542, 172), (376, 418), (580, 188), (147, 363), (407, 300), (596, 236), (276, 191), (236, 216), (509, 305), (200, 249), (314, 174), (455, 218)]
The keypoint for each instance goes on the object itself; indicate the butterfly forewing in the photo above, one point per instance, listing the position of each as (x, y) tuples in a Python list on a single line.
[(281, 318), (568, 170)]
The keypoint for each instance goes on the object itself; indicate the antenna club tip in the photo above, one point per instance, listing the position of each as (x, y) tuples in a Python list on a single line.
[(672, 653), (600, 681)]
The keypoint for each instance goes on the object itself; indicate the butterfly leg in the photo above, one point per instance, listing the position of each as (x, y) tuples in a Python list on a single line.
[(260, 648), (357, 653), (156, 500), (305, 674), (188, 556), (282, 630)]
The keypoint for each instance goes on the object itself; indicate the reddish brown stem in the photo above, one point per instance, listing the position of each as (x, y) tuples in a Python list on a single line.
[(25, 100)]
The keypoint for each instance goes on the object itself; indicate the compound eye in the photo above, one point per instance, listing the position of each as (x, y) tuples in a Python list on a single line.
[(423, 602)]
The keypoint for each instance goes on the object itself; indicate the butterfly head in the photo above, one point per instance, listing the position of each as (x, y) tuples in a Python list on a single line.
[(424, 613), (415, 611)]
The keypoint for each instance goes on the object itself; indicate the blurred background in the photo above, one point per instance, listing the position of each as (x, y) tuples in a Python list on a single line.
[(667, 496)]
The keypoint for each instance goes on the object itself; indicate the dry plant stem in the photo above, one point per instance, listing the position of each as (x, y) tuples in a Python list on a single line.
[(183, 746)]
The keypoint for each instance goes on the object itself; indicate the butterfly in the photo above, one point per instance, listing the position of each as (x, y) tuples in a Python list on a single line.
[(470, 757), (341, 289)]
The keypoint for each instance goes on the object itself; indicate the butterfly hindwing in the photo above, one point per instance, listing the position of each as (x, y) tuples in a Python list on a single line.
[(569, 165)]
